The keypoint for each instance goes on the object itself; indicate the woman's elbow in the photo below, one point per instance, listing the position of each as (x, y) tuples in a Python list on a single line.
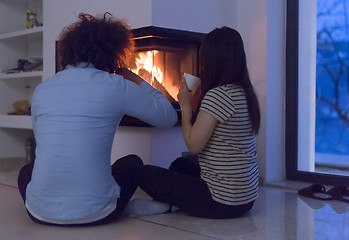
[(194, 149)]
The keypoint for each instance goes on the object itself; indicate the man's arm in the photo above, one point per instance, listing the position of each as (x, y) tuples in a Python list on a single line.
[(129, 75), (146, 102)]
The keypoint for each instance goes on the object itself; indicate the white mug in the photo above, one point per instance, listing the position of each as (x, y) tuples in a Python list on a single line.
[(191, 80)]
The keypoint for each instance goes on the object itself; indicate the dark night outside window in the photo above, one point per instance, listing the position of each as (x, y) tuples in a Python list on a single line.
[(325, 119)]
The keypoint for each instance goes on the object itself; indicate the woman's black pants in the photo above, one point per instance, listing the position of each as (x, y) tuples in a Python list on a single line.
[(181, 186)]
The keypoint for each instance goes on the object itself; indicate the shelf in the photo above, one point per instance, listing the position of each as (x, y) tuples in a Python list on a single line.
[(17, 1), (32, 74), (23, 35), (16, 121)]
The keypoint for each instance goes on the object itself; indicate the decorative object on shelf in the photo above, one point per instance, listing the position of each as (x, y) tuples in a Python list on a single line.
[(24, 65), (31, 19), (33, 64), (21, 107)]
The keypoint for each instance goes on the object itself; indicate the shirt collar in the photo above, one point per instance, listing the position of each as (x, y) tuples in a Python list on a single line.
[(81, 65)]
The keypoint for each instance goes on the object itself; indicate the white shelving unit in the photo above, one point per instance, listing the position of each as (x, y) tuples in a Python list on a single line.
[(23, 35), (17, 42), (19, 122), (33, 74)]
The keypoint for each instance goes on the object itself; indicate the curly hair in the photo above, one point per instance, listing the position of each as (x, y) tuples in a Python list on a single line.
[(105, 42)]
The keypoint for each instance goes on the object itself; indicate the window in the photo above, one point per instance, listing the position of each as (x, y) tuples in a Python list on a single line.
[(317, 91)]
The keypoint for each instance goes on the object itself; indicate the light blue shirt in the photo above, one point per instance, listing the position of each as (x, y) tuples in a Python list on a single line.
[(75, 115)]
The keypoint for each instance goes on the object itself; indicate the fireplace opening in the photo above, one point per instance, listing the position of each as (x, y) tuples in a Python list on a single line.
[(161, 58)]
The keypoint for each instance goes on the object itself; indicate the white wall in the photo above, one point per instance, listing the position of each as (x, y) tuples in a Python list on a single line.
[(193, 15), (262, 26), (166, 146), (132, 140), (275, 94)]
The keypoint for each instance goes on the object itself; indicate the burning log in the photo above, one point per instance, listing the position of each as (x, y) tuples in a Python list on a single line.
[(155, 83)]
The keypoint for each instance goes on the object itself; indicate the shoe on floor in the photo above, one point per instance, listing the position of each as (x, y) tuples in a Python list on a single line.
[(339, 193), (142, 207), (316, 191)]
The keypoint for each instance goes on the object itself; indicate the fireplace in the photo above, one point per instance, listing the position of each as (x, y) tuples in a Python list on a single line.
[(161, 57)]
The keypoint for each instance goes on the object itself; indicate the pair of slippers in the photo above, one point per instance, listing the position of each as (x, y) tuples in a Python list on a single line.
[(318, 191)]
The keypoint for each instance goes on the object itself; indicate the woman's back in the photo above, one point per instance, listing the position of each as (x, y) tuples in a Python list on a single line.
[(229, 160)]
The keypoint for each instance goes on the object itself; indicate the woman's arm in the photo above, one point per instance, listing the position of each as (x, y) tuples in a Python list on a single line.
[(195, 136)]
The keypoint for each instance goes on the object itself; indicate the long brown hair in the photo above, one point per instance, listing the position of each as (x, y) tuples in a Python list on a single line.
[(103, 41), (223, 61)]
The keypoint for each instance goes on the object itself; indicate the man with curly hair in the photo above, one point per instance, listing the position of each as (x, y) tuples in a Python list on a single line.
[(75, 114)]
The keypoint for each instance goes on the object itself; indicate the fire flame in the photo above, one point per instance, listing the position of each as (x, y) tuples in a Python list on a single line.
[(145, 60), (154, 74)]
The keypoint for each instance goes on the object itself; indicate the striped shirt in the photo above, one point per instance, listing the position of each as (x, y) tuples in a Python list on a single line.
[(229, 160)]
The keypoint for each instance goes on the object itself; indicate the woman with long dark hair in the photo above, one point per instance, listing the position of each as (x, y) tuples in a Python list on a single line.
[(220, 179)]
